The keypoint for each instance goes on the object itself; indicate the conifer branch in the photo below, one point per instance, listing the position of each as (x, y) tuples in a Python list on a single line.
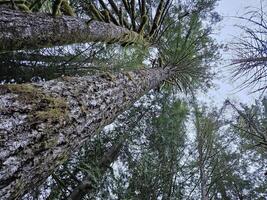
[(133, 14), (93, 12), (117, 12), (164, 14), (143, 8), (157, 18), (112, 18)]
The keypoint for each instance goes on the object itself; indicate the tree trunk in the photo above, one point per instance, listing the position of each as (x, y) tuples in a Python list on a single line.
[(261, 59), (20, 30), (88, 185), (41, 124), (201, 160)]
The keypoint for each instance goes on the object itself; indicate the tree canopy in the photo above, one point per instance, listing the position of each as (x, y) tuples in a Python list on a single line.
[(99, 100)]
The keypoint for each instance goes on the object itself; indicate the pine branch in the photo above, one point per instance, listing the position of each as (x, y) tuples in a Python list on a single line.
[(157, 17), (133, 15), (117, 12), (93, 12), (143, 8), (164, 14), (112, 18)]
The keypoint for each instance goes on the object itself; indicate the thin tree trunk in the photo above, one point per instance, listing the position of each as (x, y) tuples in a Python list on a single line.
[(41, 124), (88, 185), (249, 60), (20, 30), (201, 159), (36, 57)]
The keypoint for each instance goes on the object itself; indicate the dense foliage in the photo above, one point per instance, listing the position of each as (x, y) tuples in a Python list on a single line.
[(166, 146)]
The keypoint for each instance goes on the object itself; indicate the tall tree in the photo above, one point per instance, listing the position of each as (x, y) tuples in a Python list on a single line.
[(152, 157), (71, 60), (251, 122), (56, 117), (41, 124), (85, 168), (19, 30), (245, 157), (155, 171), (250, 58)]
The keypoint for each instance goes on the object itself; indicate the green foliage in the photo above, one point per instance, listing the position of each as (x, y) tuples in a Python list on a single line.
[(230, 171), (250, 124), (188, 48), (152, 167), (160, 153)]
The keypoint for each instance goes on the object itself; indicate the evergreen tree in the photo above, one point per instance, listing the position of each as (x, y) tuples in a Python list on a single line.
[(250, 57), (56, 117)]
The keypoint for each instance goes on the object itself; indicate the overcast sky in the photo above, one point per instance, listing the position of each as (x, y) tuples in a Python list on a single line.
[(225, 33)]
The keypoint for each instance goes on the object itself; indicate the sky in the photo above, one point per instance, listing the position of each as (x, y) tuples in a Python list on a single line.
[(226, 31)]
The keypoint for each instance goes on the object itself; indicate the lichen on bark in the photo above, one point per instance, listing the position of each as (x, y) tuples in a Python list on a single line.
[(44, 107), (19, 30), (41, 124)]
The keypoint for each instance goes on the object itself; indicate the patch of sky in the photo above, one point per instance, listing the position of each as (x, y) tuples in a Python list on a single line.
[(227, 32)]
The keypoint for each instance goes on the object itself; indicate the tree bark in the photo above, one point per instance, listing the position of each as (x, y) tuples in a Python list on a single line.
[(20, 30), (201, 160), (41, 124)]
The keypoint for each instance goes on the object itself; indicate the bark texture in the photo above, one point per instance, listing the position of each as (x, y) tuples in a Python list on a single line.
[(41, 124), (20, 30)]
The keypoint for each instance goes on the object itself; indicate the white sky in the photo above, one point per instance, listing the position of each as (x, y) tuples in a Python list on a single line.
[(224, 87)]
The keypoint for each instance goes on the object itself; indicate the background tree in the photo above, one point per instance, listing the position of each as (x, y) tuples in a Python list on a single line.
[(250, 50), (149, 168), (251, 122), (247, 124)]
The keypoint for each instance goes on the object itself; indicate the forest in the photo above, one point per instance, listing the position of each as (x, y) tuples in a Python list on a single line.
[(111, 99)]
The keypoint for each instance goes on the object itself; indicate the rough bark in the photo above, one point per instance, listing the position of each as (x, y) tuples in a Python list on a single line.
[(40, 124), (20, 30), (36, 57)]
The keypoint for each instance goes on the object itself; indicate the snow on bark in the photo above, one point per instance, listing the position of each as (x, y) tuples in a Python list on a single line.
[(41, 124)]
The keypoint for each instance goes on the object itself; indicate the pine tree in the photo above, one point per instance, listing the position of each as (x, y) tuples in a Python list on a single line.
[(21, 30), (41, 124)]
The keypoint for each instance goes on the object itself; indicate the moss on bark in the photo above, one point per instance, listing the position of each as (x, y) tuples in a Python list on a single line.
[(44, 107)]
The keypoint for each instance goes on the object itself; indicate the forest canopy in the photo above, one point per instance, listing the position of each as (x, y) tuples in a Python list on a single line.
[(101, 99)]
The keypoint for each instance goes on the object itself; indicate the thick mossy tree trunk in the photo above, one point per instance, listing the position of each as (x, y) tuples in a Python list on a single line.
[(41, 124), (20, 30)]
